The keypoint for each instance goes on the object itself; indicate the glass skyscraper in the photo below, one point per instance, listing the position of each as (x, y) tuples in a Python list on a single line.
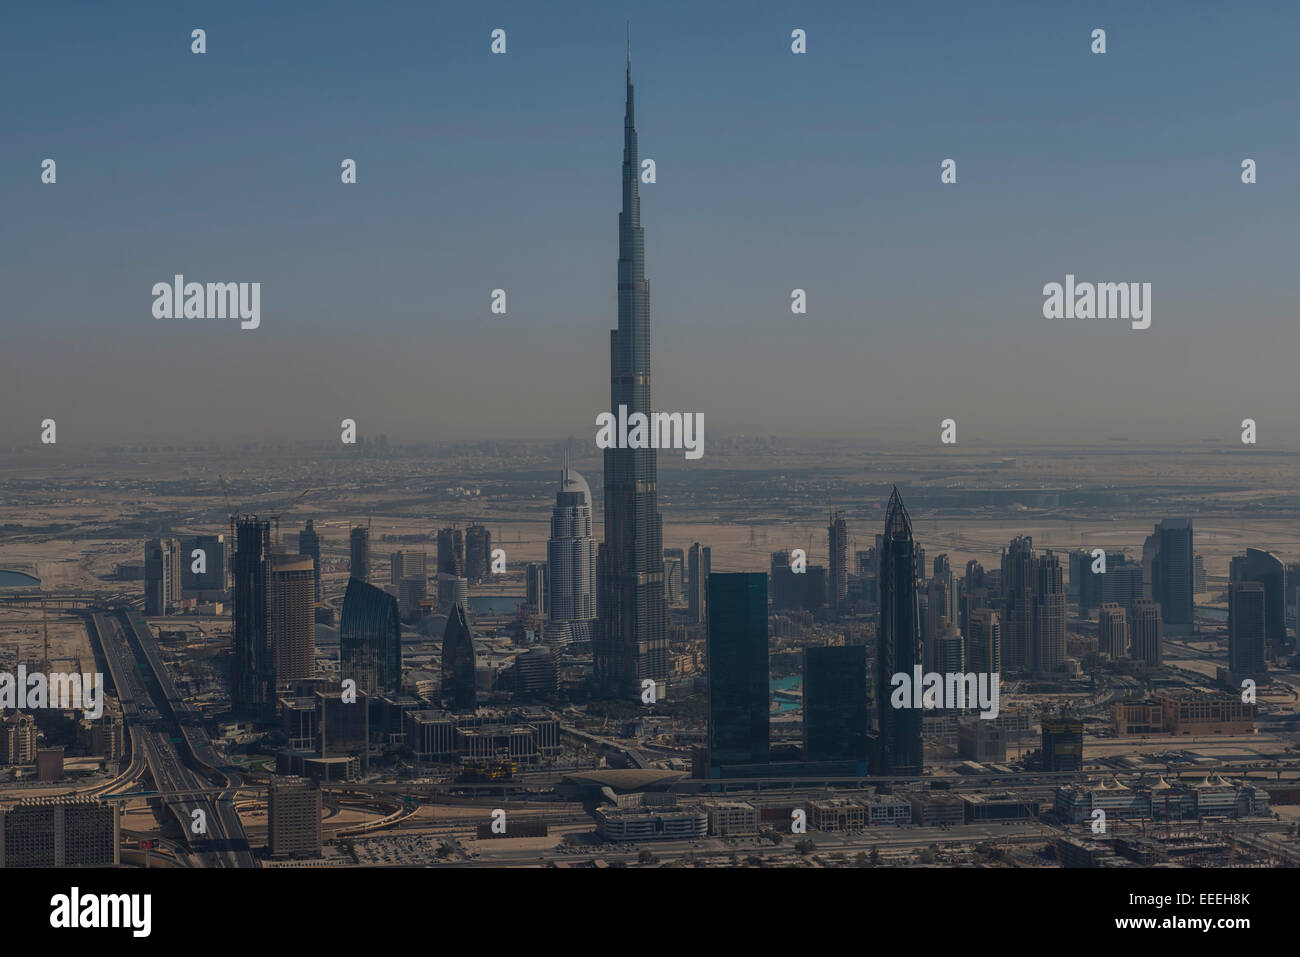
[(370, 639), (835, 704), (571, 560), (899, 642), (630, 641), (737, 670), (458, 690), (252, 678)]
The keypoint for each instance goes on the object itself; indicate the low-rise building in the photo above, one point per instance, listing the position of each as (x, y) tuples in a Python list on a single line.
[(651, 823)]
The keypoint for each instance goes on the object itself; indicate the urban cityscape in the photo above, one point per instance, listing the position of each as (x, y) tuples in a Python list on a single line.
[(629, 643)]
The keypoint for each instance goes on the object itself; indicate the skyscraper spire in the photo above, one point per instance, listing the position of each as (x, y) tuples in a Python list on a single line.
[(630, 643), (629, 53)]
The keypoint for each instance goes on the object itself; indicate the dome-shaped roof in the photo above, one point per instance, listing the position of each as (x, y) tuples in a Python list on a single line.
[(571, 480)]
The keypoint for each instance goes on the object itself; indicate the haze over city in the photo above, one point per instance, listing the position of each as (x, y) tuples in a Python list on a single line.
[(775, 172)]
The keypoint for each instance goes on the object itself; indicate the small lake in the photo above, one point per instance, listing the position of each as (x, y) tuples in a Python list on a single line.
[(10, 579), (495, 604)]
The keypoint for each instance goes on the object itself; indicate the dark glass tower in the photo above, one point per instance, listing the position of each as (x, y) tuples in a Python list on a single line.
[(458, 662), (1267, 569), (252, 678), (899, 638), (835, 704), (370, 639), (309, 544), (737, 670), (1175, 556), (359, 566), (630, 642)]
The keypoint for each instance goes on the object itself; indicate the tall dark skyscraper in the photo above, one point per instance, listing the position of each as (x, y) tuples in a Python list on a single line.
[(162, 575), (478, 553), (737, 670), (698, 562), (1266, 568), (458, 689), (1247, 630), (899, 643), (309, 544), (359, 566), (1049, 614), (370, 639), (835, 704), (1018, 581), (1174, 553), (451, 552), (837, 588), (630, 642), (252, 678)]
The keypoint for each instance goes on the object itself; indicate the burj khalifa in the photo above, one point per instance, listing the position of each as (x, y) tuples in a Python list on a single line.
[(630, 642)]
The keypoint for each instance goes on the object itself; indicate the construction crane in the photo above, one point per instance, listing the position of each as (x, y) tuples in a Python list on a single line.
[(276, 517)]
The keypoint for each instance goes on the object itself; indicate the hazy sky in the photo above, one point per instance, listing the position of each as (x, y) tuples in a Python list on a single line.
[(775, 171)]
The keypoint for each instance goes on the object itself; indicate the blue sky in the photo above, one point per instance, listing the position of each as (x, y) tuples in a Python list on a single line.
[(775, 171)]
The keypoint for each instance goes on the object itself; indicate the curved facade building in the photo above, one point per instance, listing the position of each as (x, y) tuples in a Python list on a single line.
[(458, 662), (370, 639), (571, 556), (898, 644)]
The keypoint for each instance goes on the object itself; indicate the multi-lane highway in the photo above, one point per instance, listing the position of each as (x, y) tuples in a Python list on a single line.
[(168, 739)]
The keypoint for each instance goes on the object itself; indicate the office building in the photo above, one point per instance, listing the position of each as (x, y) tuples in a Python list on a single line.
[(478, 553), (837, 534), (674, 576), (898, 644), (370, 639), (359, 552), (737, 670), (458, 662), (293, 817), (309, 545), (405, 564), (203, 578), (571, 560), (65, 831), (1018, 581), (162, 576), (451, 552), (536, 588), (1062, 744), (536, 674), (835, 704), (698, 561), (1173, 571), (1145, 632), (984, 641), (293, 617), (1049, 615), (1123, 583), (1267, 569), (1112, 630), (17, 738), (1247, 630), (252, 682)]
